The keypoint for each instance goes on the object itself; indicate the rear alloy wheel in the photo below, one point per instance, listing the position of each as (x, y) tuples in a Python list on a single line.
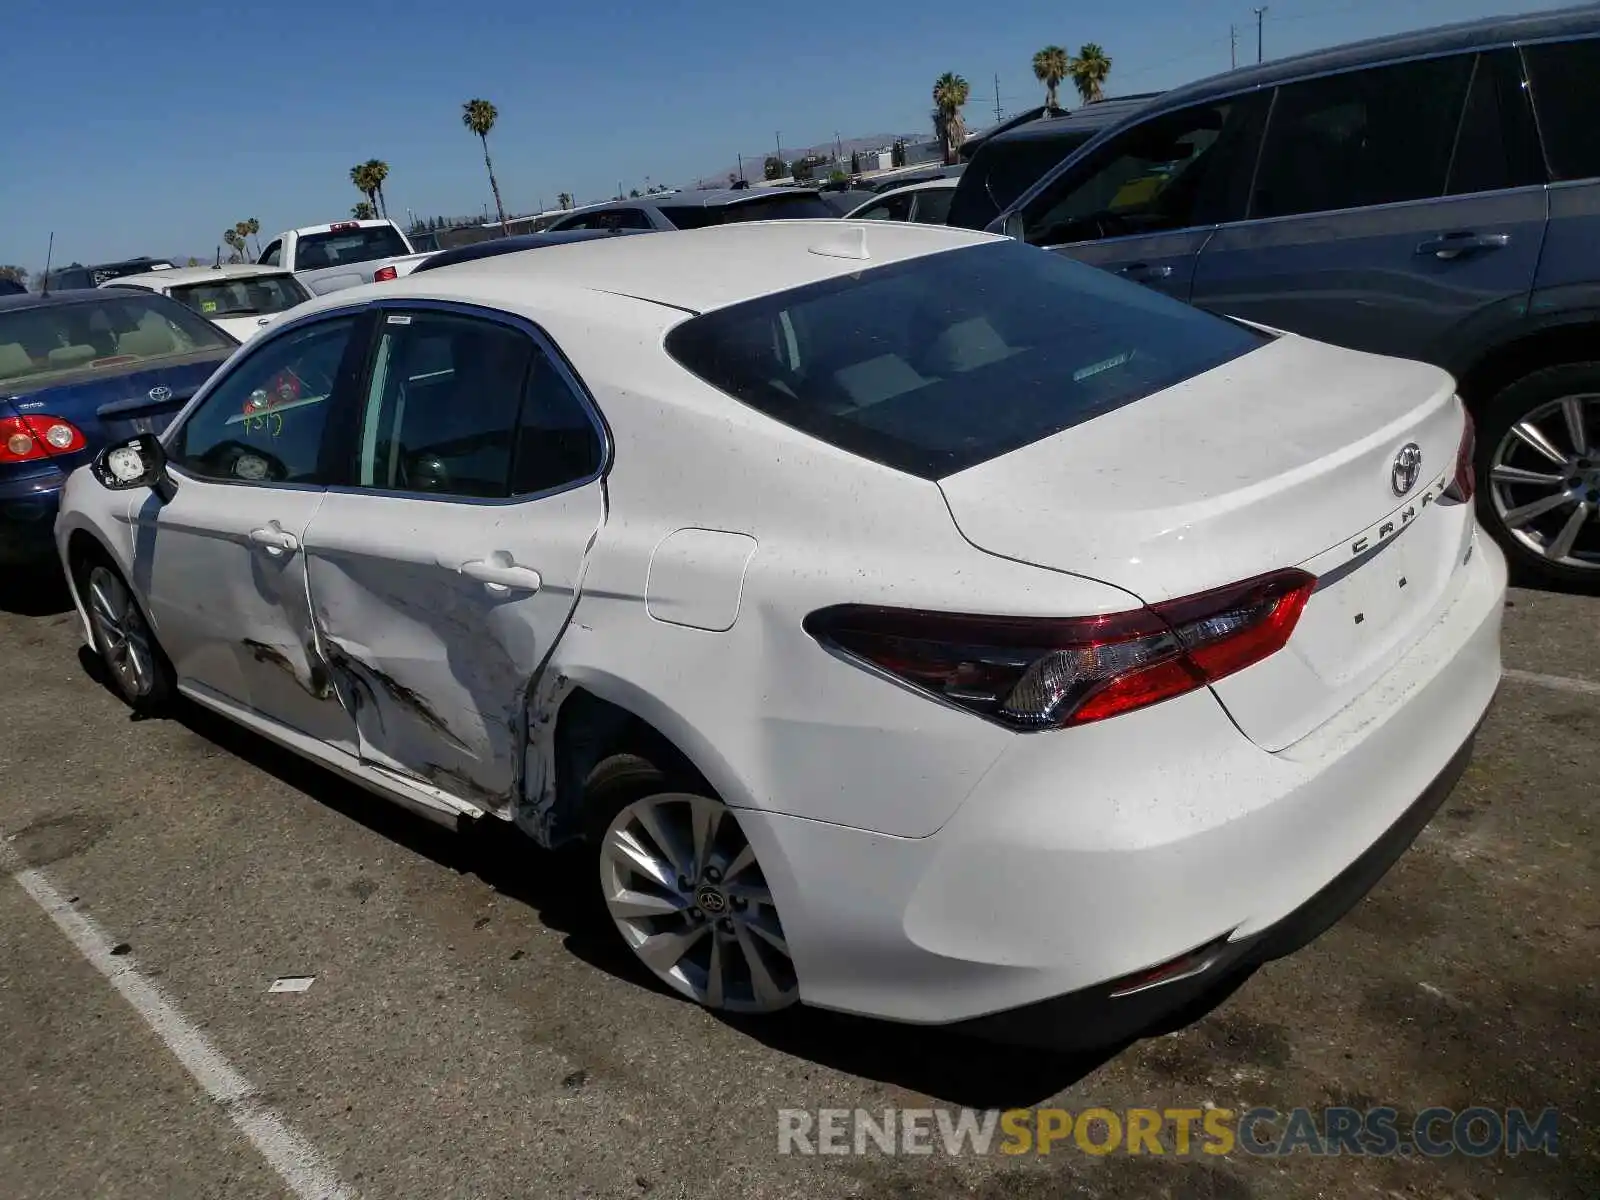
[(138, 669), (1539, 464), (684, 889)]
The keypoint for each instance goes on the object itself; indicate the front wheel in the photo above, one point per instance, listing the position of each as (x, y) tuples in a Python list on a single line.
[(1538, 464), (682, 885), (138, 670)]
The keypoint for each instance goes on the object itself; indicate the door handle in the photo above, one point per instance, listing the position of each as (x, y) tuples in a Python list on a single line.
[(275, 540), (1454, 245), (1139, 272), (503, 577)]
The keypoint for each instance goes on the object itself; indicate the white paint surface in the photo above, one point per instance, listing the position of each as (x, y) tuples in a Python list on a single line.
[(297, 1162)]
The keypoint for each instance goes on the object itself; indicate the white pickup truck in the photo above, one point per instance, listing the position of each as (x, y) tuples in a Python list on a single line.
[(343, 254)]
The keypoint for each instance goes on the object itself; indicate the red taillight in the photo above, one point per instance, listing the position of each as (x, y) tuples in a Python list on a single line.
[(1465, 482), (1050, 672), (384, 275), (25, 439)]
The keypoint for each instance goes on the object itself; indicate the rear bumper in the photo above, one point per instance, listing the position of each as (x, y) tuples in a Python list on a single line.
[(1088, 856), (28, 510)]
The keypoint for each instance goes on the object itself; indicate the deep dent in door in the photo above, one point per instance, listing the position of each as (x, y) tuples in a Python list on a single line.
[(450, 718)]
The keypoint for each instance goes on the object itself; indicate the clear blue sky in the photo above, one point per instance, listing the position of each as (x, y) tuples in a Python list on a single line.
[(149, 126)]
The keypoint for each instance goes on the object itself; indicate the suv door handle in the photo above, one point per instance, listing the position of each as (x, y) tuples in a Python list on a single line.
[(504, 578), (1453, 245), (275, 540), (1139, 272)]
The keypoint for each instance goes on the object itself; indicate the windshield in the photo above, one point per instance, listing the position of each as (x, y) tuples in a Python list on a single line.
[(125, 327), (340, 247), (937, 364), (1002, 170), (247, 296)]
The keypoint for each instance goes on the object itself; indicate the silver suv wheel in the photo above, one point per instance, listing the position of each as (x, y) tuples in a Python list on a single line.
[(1544, 481)]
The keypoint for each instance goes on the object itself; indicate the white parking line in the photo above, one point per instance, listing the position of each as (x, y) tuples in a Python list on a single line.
[(1560, 683), (298, 1163)]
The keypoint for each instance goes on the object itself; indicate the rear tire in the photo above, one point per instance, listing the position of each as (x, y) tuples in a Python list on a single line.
[(1538, 468), (683, 889), (136, 667)]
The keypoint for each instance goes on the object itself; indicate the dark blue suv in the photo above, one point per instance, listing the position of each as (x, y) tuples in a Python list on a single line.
[(1433, 196)]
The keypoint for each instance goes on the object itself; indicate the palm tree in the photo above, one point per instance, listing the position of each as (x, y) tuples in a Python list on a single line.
[(235, 242), (564, 200), (361, 176), (1050, 67), (950, 92), (253, 227), (363, 211), (1089, 71), (377, 172), (480, 116)]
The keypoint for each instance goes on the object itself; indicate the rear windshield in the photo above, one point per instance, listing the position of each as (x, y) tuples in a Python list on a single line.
[(1002, 170), (799, 206), (344, 246), (38, 344), (936, 364), (242, 297)]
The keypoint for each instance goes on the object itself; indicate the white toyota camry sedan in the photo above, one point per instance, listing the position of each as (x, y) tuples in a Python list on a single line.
[(912, 623)]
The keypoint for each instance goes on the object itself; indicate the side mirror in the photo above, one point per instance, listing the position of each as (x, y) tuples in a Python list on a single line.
[(138, 462), (1012, 226)]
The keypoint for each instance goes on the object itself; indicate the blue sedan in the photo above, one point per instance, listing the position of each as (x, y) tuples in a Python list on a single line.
[(80, 369)]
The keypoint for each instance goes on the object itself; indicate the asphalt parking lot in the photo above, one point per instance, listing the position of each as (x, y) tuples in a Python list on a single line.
[(471, 1032)]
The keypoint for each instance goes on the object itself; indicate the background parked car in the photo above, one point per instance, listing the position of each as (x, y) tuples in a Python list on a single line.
[(514, 244), (925, 203), (1432, 195), (10, 287), (341, 254), (78, 369), (694, 210), (64, 279), (240, 298)]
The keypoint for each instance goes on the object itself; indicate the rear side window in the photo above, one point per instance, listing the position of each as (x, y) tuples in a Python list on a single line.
[(1378, 136), (1002, 170), (934, 365), (1497, 146), (1566, 91), (801, 206), (933, 206), (340, 247), (892, 208), (687, 216)]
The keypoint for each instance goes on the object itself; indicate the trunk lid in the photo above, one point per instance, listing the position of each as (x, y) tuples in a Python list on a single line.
[(108, 405), (1284, 457)]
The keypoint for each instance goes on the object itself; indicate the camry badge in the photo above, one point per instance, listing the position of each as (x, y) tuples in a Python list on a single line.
[(160, 394), (1407, 466)]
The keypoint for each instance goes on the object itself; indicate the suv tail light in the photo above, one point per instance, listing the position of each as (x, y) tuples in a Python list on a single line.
[(1465, 482), (1051, 672), (27, 439), (384, 275)]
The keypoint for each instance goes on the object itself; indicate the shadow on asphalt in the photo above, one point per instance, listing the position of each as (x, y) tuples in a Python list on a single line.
[(34, 591), (558, 886)]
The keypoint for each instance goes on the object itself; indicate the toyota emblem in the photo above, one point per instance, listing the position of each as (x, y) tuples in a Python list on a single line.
[(1407, 466), (160, 394)]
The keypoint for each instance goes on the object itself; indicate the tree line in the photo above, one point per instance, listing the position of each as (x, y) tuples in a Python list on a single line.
[(1088, 70)]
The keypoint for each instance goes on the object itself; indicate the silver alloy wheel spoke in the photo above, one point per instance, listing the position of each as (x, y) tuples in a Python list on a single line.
[(712, 937), (1534, 437), (1505, 474), (1561, 545), (1519, 517), (121, 627), (1572, 410)]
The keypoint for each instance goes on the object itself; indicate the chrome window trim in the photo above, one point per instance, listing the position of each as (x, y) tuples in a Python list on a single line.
[(548, 347)]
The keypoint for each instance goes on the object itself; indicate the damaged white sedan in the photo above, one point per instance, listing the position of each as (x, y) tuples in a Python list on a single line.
[(913, 623)]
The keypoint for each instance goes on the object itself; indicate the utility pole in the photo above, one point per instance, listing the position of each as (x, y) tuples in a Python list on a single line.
[(997, 98), (741, 164), (1259, 12), (778, 138), (1233, 46)]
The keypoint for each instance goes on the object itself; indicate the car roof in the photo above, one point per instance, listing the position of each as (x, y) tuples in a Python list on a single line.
[(108, 266), (178, 276), (693, 270), (712, 198), (1441, 39), (515, 243), (92, 295), (1089, 118)]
